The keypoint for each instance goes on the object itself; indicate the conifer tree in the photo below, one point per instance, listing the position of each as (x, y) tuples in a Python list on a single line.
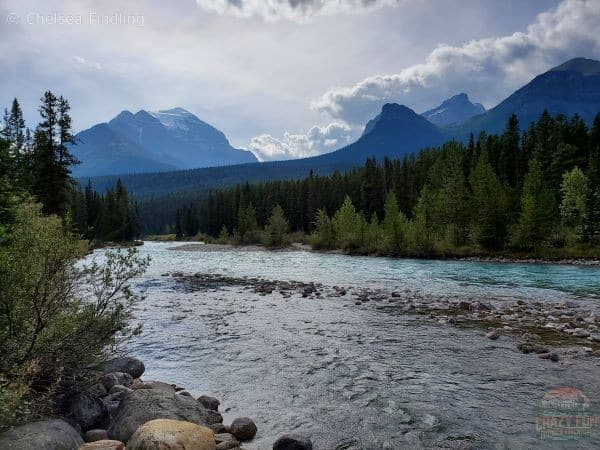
[(573, 208), (394, 226), (537, 209), (276, 230)]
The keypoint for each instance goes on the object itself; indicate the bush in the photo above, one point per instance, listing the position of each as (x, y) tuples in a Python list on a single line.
[(56, 319), (275, 235)]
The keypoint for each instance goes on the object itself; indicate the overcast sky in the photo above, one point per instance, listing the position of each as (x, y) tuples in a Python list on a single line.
[(285, 78)]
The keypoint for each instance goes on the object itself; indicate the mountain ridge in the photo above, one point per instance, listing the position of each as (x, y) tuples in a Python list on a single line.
[(179, 141)]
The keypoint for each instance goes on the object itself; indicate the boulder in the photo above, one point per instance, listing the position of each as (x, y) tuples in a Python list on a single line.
[(293, 442), (165, 434), (226, 441), (209, 402), (493, 334), (105, 444), (88, 411), (243, 428), (141, 406), (95, 435), (43, 435), (116, 378), (127, 364)]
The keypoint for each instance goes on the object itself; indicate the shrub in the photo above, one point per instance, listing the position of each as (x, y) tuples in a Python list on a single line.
[(57, 319)]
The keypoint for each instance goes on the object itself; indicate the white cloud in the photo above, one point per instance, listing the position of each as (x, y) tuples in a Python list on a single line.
[(81, 61), (485, 68), (318, 140), (296, 10)]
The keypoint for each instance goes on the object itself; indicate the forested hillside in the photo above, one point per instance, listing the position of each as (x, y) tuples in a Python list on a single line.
[(532, 189)]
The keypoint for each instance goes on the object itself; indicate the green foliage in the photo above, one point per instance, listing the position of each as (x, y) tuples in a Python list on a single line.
[(395, 227), (455, 199), (276, 230), (247, 225), (537, 209), (55, 319), (324, 234), (224, 236), (347, 226), (573, 208), (489, 206)]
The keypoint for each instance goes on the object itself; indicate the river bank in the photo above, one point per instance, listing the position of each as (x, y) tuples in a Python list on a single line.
[(120, 410), (515, 259)]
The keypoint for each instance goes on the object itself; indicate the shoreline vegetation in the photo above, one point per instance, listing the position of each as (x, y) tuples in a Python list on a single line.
[(520, 194), (203, 244)]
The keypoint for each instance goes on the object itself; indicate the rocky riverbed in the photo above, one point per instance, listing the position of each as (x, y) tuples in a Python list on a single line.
[(371, 353), (120, 409), (556, 331)]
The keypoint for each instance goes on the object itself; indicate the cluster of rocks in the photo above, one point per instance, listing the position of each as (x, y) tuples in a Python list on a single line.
[(556, 324), (122, 411)]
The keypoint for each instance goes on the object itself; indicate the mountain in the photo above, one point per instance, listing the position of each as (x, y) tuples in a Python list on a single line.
[(153, 141), (395, 132), (571, 88), (455, 110), (101, 149)]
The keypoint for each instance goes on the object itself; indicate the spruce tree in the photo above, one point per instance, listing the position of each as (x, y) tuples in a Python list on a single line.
[(537, 209)]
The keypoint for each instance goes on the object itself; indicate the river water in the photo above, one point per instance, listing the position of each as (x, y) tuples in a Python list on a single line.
[(357, 376)]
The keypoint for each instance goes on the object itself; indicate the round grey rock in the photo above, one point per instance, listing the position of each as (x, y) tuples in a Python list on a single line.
[(127, 364), (209, 402), (293, 442), (141, 406), (43, 435), (243, 428)]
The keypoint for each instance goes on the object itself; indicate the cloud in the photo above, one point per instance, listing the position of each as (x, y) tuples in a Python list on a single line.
[(486, 67), (82, 62), (296, 10), (318, 140)]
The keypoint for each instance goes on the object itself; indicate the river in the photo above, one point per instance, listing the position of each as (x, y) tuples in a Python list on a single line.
[(357, 376)]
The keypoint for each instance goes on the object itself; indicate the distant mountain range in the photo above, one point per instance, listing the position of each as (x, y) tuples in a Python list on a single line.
[(153, 142), (573, 87), (453, 111)]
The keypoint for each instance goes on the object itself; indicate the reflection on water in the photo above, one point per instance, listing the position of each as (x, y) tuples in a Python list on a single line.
[(357, 377)]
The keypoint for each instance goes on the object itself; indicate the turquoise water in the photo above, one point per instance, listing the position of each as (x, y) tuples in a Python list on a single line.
[(358, 377)]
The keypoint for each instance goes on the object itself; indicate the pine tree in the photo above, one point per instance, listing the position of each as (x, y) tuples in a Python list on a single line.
[(509, 155), (488, 206), (537, 209), (573, 208), (347, 226), (276, 230), (394, 226), (52, 182), (324, 234)]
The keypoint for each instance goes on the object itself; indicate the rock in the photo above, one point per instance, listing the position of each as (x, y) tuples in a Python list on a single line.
[(105, 444), (580, 332), (525, 347), (165, 434), (464, 306), (95, 435), (88, 411), (551, 356), (156, 386), (218, 428), (127, 364), (116, 378), (538, 348), (119, 390), (243, 428), (292, 442), (43, 435), (141, 406), (493, 335), (209, 402), (226, 441)]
